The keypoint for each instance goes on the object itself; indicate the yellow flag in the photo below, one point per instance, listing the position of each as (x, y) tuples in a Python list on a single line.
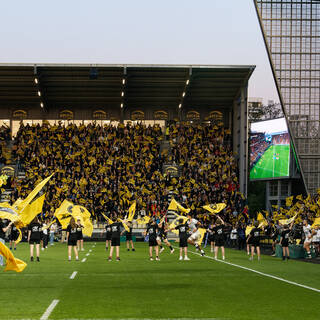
[(261, 219), (316, 223), (176, 222), (64, 213), (49, 225), (215, 208), (31, 210), (17, 203), (33, 193), (8, 212), (308, 198), (202, 233), (175, 206), (143, 220), (12, 263), (299, 197), (67, 210), (248, 230), (81, 213), (289, 201), (107, 219), (287, 221), (125, 225), (132, 211)]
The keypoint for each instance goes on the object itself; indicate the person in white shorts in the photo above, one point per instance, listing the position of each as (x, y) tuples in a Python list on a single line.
[(194, 224), (308, 237)]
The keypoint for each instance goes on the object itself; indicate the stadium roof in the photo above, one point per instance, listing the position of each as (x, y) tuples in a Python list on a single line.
[(99, 85)]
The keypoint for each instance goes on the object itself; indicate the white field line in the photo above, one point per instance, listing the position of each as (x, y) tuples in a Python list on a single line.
[(47, 313), (73, 275), (261, 273), (84, 260), (88, 254), (90, 250), (142, 319)]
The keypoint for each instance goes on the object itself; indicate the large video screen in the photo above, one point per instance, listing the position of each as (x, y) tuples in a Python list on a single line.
[(269, 149)]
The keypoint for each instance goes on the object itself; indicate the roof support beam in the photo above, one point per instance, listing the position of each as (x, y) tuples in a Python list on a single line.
[(185, 92), (39, 87), (123, 93)]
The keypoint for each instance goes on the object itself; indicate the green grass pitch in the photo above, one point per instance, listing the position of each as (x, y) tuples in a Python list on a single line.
[(268, 167), (137, 288)]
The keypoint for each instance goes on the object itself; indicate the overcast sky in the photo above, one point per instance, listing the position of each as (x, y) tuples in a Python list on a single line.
[(137, 31)]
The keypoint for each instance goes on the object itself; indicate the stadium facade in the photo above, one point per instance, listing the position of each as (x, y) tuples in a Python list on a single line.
[(78, 94), (291, 31)]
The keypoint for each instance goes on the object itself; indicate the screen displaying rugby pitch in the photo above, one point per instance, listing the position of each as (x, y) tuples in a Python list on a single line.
[(269, 149)]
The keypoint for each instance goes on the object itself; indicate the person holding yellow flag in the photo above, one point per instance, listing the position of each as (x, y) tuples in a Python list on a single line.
[(72, 238), (34, 236), (219, 237), (108, 235), (151, 231), (254, 239), (129, 236), (284, 241), (183, 239), (115, 238)]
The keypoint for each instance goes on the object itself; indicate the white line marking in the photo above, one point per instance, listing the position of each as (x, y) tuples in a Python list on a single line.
[(90, 250), (261, 273), (47, 313), (84, 260), (73, 275), (88, 254), (143, 319)]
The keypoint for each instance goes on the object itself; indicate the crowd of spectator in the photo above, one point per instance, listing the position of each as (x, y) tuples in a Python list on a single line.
[(5, 136), (281, 139), (106, 168), (209, 172)]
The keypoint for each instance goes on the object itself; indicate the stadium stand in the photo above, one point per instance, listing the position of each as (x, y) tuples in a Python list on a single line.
[(106, 167)]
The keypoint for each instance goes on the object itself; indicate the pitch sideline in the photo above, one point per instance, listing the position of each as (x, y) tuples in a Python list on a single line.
[(259, 272)]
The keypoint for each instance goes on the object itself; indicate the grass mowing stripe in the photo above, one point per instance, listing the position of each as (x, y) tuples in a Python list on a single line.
[(84, 260), (73, 275), (47, 313), (258, 272)]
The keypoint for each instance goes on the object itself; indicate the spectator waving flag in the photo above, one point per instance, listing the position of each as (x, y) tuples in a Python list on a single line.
[(132, 211), (214, 208), (175, 206)]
